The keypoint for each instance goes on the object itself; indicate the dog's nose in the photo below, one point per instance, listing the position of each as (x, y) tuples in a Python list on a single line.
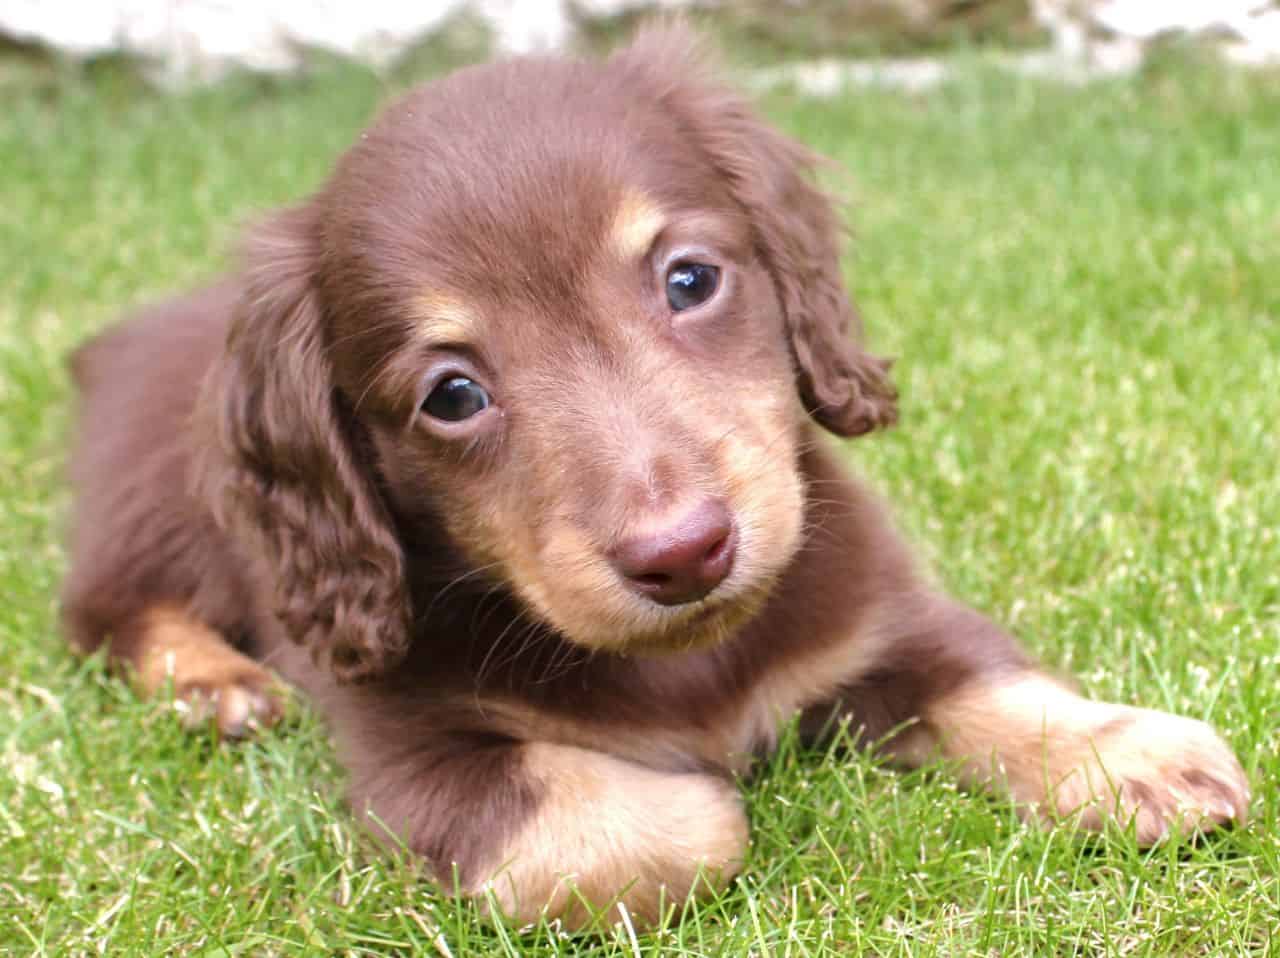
[(682, 561)]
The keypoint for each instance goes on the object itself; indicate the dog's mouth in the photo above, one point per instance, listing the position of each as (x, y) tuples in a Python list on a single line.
[(607, 612), (705, 625)]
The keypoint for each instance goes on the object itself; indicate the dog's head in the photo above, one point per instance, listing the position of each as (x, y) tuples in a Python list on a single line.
[(575, 315)]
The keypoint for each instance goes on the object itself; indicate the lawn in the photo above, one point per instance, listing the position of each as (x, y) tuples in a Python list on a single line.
[(1083, 286)]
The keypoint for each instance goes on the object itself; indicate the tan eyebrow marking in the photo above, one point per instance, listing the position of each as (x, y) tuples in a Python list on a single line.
[(636, 223), (445, 319)]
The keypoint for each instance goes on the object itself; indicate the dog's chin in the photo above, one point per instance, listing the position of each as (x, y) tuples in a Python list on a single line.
[(701, 626)]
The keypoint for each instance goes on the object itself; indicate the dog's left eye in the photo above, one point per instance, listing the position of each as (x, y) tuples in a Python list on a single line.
[(455, 399), (691, 284)]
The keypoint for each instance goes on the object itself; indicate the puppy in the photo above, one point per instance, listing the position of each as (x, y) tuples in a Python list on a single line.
[(504, 448)]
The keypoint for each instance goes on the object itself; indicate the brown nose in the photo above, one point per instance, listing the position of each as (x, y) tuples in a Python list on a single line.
[(682, 561)]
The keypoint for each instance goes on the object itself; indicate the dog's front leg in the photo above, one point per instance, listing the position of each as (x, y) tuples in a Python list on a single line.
[(543, 829), (958, 688)]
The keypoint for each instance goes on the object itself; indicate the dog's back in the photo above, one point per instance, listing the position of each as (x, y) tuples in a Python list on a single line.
[(138, 535)]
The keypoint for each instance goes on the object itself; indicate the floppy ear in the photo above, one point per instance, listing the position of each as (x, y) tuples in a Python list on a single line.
[(845, 388), (285, 473), (797, 229)]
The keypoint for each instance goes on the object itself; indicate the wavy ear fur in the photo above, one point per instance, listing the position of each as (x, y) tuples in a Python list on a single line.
[(285, 473), (798, 232)]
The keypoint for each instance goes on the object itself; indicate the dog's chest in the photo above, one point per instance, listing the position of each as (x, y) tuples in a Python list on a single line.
[(716, 710)]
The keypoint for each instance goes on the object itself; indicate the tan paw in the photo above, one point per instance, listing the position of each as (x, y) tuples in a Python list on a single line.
[(1160, 771), (239, 705), (608, 832), (210, 679), (1060, 755)]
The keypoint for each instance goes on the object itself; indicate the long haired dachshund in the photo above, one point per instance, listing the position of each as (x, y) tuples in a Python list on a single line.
[(505, 448)]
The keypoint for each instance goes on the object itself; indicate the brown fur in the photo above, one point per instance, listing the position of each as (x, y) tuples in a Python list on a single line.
[(445, 592)]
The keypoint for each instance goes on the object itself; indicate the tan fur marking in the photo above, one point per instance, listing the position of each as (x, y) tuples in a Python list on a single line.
[(210, 679), (636, 224), (445, 319), (611, 830), (1061, 755), (768, 500)]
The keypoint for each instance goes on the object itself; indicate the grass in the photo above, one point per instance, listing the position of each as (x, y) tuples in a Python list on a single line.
[(1084, 288)]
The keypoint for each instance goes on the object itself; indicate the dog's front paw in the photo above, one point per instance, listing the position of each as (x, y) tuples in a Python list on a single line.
[(1159, 771), (1063, 757), (610, 833), (209, 679), (238, 704)]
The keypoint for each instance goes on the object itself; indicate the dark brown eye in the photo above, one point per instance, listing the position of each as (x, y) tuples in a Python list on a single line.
[(691, 284), (455, 399)]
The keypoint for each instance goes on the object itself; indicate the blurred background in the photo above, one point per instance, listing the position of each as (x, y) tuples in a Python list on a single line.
[(197, 40)]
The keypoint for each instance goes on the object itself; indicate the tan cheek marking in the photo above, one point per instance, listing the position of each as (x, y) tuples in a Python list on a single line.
[(567, 560), (1060, 754), (608, 829), (636, 224), (210, 679), (445, 319), (765, 494), (504, 539)]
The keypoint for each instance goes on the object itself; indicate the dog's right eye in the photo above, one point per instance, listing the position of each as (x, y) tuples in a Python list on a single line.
[(691, 284), (456, 398)]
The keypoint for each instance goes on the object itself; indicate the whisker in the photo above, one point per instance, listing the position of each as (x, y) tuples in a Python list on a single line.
[(452, 583), (481, 672)]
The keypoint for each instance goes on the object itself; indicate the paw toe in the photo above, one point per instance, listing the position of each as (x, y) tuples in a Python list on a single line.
[(1181, 783), (239, 707)]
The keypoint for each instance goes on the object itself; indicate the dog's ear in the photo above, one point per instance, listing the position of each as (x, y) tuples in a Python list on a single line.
[(284, 470), (798, 231), (843, 386)]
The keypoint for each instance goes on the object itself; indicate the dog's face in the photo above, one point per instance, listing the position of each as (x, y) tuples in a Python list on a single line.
[(578, 316), (576, 361)]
